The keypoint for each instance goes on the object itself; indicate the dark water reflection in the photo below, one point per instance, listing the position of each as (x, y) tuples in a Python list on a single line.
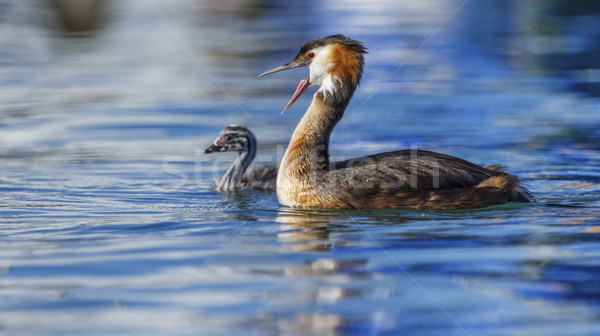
[(108, 225)]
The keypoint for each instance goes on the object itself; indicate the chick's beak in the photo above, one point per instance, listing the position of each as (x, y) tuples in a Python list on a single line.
[(213, 148), (304, 84)]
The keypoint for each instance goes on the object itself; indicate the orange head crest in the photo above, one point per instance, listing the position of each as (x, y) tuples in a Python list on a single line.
[(335, 63)]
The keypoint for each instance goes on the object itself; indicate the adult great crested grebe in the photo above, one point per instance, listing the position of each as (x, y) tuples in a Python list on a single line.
[(240, 139), (399, 179)]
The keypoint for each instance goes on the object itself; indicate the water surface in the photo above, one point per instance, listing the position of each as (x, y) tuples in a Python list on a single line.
[(108, 225)]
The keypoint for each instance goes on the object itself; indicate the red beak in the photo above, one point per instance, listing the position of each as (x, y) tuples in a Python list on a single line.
[(304, 84)]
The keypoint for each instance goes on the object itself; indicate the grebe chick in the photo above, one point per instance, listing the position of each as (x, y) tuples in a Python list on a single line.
[(399, 179), (240, 139)]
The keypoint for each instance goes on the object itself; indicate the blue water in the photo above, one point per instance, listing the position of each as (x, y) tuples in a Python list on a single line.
[(108, 225)]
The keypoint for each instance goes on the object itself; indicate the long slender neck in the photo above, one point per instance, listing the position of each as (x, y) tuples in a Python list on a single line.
[(305, 164), (235, 173), (309, 147), (306, 161), (304, 172)]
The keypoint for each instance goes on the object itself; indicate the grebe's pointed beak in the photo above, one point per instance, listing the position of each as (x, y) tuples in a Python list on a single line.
[(304, 84), (288, 66)]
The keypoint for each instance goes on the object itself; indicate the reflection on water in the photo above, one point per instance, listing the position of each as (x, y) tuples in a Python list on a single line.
[(108, 225), (80, 15)]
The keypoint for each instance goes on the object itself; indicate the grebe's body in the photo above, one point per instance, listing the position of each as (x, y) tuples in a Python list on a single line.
[(399, 179), (240, 139)]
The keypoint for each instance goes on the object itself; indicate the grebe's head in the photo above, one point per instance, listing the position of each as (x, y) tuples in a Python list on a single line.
[(334, 62), (232, 139)]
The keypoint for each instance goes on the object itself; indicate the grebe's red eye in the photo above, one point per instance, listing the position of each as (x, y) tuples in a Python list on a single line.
[(311, 54)]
